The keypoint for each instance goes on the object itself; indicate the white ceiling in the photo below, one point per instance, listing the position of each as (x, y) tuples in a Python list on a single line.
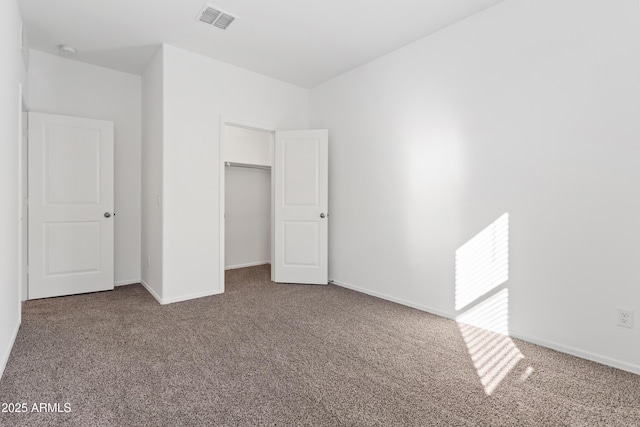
[(299, 41)]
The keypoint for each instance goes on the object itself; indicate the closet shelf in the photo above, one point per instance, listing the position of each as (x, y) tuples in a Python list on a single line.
[(246, 165)]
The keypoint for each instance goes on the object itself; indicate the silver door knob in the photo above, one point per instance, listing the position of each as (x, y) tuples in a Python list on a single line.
[(107, 214), (322, 215)]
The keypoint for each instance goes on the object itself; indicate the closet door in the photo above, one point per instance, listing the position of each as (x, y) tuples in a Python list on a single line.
[(300, 213)]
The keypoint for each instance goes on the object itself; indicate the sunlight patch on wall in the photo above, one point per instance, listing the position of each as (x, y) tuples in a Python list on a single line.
[(491, 314), (482, 269), (482, 264)]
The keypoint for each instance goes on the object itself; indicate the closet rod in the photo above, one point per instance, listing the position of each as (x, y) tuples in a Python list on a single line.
[(246, 165)]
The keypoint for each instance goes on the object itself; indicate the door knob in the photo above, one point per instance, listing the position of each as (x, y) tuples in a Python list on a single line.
[(107, 214), (322, 215)]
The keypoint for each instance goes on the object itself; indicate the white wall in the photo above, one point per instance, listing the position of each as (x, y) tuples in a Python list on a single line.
[(152, 158), (199, 91), (248, 146), (12, 73), (62, 86), (529, 108)]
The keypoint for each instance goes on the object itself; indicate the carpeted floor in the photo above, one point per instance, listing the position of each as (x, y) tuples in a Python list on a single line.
[(290, 355)]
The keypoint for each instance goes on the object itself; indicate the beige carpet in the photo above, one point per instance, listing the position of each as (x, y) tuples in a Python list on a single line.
[(290, 355)]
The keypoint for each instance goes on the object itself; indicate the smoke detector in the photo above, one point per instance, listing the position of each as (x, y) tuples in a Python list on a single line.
[(212, 15), (66, 49)]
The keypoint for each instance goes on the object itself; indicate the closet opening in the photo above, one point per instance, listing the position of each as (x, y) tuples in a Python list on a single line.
[(247, 182)]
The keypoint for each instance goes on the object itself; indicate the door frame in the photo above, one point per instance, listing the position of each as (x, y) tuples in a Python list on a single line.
[(23, 195), (244, 124)]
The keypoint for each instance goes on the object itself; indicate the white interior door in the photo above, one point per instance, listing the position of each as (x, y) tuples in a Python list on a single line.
[(300, 207), (70, 205)]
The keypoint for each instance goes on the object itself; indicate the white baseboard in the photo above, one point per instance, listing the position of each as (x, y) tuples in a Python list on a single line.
[(151, 291), (127, 282), (189, 297), (7, 353), (573, 351), (249, 264), (164, 301), (514, 334), (393, 299)]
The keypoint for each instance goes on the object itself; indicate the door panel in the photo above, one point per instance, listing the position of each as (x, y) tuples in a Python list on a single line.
[(70, 190), (72, 165), (301, 199), (301, 242), (300, 164), (82, 256)]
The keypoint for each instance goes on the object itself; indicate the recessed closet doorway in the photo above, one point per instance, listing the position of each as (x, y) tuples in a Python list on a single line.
[(274, 195), (248, 201)]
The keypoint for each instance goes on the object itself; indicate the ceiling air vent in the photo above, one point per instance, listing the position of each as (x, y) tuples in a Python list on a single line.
[(214, 16)]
